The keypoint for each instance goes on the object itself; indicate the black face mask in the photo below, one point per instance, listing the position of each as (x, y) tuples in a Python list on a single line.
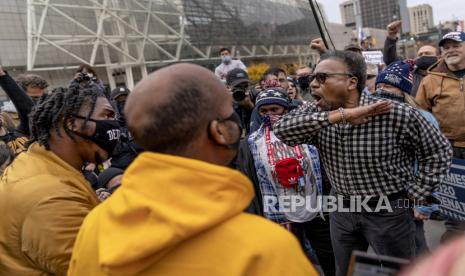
[(304, 82), (381, 93), (120, 107), (106, 136), (425, 62), (234, 118), (120, 110)]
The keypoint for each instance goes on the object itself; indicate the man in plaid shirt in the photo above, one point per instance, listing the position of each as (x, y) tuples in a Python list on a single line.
[(368, 148)]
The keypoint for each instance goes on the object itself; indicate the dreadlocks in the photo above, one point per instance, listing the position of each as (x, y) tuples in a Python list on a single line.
[(52, 111)]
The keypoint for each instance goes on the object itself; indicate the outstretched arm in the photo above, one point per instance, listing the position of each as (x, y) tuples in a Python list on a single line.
[(20, 99), (302, 125)]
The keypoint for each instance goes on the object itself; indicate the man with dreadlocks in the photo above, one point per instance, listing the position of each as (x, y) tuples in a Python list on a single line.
[(43, 194)]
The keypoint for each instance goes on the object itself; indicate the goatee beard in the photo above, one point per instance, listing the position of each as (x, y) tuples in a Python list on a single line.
[(452, 60)]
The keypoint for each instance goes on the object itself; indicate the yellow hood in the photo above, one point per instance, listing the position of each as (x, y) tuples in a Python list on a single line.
[(163, 201)]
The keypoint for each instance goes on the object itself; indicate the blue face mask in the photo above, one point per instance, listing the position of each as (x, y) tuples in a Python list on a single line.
[(226, 59)]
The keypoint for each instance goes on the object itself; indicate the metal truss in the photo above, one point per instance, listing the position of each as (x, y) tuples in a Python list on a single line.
[(123, 34)]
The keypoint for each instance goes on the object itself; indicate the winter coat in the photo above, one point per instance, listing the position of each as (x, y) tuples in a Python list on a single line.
[(180, 216), (443, 94), (43, 201)]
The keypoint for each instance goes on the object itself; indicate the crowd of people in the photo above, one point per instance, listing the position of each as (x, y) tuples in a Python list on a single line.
[(203, 173)]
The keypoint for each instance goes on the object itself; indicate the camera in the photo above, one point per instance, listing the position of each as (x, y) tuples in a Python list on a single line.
[(239, 94), (84, 77)]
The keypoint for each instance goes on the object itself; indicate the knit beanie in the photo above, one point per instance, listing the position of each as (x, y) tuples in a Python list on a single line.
[(275, 95), (397, 74), (107, 175)]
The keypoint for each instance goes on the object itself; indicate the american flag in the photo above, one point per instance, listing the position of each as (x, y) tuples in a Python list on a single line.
[(398, 70), (410, 76)]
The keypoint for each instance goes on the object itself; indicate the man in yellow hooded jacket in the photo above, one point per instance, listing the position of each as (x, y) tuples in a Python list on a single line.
[(44, 196), (179, 210)]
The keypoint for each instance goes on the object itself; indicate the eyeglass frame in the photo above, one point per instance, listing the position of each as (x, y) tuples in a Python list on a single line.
[(313, 76)]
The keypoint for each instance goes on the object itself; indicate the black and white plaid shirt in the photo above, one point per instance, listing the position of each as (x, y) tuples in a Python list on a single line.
[(375, 158)]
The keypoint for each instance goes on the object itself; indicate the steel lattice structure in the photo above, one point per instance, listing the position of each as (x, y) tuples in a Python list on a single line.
[(129, 34)]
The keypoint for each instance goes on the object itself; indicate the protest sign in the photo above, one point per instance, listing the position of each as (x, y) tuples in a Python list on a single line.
[(452, 192), (364, 263), (373, 57)]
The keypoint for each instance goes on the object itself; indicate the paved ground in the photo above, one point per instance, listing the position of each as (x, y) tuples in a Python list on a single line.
[(433, 232), (434, 229)]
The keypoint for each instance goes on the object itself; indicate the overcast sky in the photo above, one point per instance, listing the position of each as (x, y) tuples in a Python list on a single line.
[(442, 9)]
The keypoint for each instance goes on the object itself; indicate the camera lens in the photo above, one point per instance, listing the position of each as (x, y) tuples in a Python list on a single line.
[(238, 95)]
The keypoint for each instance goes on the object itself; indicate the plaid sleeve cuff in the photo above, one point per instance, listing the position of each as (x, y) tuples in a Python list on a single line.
[(418, 193)]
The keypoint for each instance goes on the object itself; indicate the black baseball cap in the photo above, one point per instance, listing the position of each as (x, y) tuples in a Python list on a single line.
[(119, 91), (236, 76)]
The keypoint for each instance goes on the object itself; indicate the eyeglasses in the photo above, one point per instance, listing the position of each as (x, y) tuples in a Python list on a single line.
[(321, 77), (369, 77), (303, 76)]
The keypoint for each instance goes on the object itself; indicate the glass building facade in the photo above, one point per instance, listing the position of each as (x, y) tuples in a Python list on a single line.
[(121, 34)]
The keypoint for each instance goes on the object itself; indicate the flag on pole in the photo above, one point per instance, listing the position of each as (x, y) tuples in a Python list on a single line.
[(361, 35)]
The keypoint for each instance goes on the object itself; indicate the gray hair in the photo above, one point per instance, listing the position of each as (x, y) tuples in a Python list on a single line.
[(34, 81)]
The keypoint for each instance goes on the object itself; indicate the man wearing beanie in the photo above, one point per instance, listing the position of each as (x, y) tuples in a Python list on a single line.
[(273, 96), (395, 84), (280, 172), (368, 148), (108, 181), (398, 75), (442, 93)]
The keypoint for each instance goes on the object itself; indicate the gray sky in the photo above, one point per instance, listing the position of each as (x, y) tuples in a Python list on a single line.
[(442, 9)]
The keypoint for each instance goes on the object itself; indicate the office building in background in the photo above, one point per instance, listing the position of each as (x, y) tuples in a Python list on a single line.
[(421, 19)]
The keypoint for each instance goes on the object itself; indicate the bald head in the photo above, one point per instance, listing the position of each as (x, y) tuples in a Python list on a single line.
[(170, 108), (428, 50)]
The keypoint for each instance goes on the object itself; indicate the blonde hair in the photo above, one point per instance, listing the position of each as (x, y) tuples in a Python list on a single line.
[(411, 101), (7, 121)]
